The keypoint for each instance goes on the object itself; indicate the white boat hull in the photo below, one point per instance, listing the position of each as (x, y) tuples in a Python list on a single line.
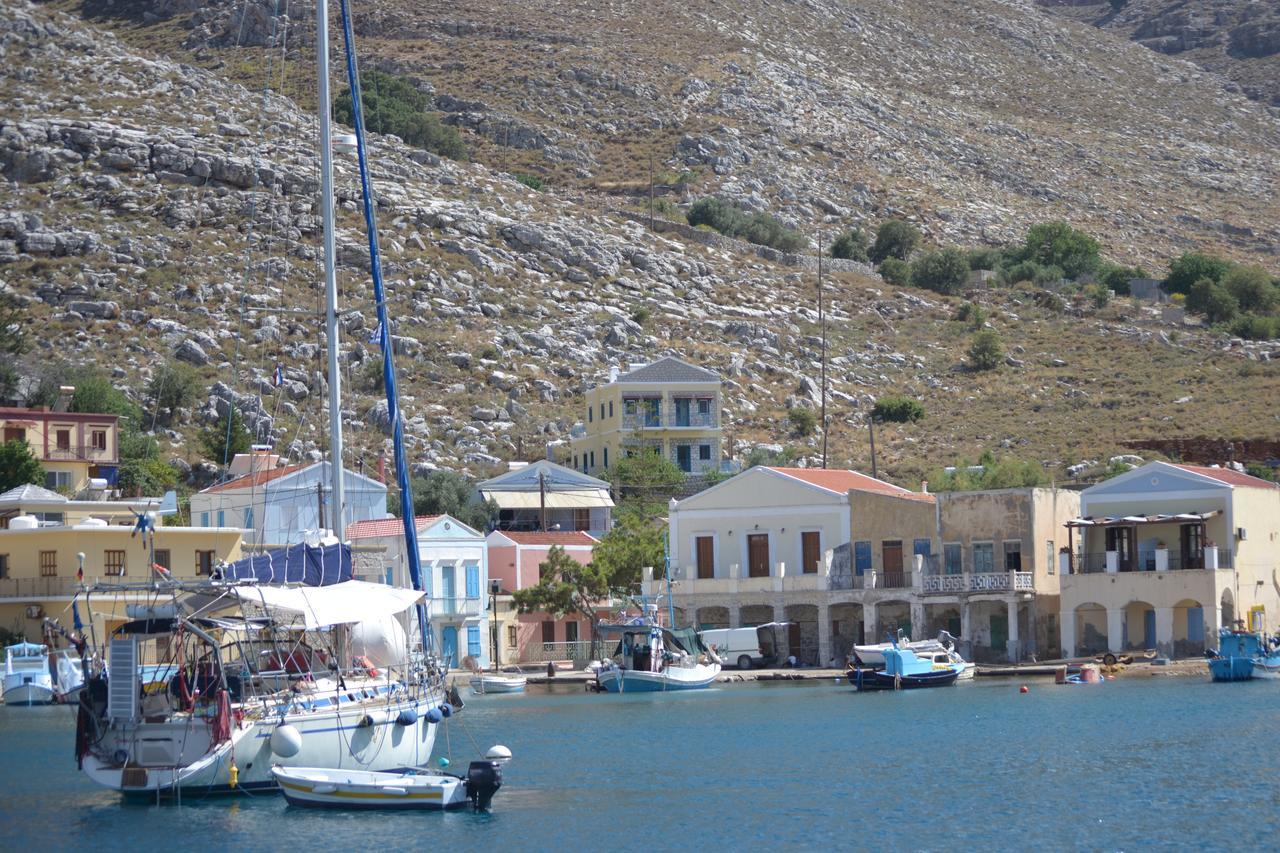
[(21, 691), (498, 683), (357, 789), (1267, 668), (364, 735), (616, 680)]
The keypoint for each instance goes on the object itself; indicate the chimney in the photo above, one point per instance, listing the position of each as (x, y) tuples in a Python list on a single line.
[(924, 487), (613, 374)]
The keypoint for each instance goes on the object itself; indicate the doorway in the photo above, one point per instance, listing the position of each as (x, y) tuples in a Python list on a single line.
[(450, 646), (891, 552)]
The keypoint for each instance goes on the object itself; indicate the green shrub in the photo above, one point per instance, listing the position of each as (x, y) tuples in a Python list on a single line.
[(174, 386), (533, 182), (392, 105), (851, 246), (972, 314), (146, 477), (945, 271), (1098, 294), (895, 271), (1051, 302), (1117, 278), (897, 409), (985, 259), (1256, 328), (225, 437), (19, 466), (759, 228), (641, 314), (1057, 244), (1190, 268), (1252, 289), (802, 420), (985, 350), (1213, 300), (894, 239)]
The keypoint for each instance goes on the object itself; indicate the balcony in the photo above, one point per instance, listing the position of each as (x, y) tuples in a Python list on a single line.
[(985, 582), (642, 420), (29, 588), (80, 453), (455, 608), (1150, 561)]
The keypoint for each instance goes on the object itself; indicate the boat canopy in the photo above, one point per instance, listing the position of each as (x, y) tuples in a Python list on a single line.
[(27, 650), (685, 639), (311, 565), (1128, 520), (336, 604)]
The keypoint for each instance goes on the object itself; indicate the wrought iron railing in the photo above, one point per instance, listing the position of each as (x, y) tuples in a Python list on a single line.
[(1146, 561), (37, 587), (576, 650), (81, 453)]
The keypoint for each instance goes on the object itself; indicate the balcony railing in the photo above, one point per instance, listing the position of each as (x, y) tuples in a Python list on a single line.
[(456, 606), (80, 453), (576, 650), (641, 421), (1147, 561), (37, 587), (985, 582)]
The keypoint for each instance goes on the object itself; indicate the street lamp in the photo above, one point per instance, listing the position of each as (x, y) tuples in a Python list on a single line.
[(495, 586)]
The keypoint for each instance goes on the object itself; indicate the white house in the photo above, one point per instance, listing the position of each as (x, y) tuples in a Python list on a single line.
[(274, 504), (455, 571), (571, 499)]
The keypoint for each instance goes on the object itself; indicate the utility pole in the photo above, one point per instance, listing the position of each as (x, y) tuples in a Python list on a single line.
[(822, 327), (871, 427), (542, 500)]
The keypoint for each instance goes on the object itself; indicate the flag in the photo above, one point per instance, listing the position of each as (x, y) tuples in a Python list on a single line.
[(161, 570), (80, 572), (75, 617), (375, 337), (279, 376)]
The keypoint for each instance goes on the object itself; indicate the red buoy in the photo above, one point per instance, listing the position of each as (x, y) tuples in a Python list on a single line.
[(1024, 689)]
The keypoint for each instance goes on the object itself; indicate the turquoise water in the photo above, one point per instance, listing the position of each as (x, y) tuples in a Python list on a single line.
[(1170, 762)]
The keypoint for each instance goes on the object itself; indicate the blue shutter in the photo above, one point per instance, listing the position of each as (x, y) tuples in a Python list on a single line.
[(391, 576), (922, 546), (204, 519), (473, 640), (222, 518), (862, 557), (248, 518), (473, 580), (428, 573)]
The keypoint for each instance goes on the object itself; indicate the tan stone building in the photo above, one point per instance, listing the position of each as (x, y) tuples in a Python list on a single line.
[(73, 448), (669, 406), (1164, 555)]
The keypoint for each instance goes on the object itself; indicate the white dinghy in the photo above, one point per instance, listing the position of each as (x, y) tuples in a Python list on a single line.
[(493, 682)]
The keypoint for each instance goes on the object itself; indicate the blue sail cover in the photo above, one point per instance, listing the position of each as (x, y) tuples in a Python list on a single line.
[(302, 563)]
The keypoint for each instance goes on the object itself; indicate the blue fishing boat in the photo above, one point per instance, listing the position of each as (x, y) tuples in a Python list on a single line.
[(903, 670), (1234, 659)]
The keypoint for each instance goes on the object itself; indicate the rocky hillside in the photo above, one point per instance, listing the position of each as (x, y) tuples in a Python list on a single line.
[(1238, 39), (159, 210)]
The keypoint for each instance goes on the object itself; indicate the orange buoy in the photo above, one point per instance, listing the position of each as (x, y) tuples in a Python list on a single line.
[(1024, 689)]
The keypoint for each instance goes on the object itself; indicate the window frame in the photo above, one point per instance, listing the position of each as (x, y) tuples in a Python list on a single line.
[(751, 567), (805, 568), (205, 557), (1051, 552), (946, 562), (697, 556), (1007, 552), (513, 636), (990, 547), (112, 568), (98, 439), (164, 557), (48, 564)]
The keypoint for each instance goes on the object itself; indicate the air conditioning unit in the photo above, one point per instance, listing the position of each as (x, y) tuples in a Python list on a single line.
[(1241, 533), (35, 611)]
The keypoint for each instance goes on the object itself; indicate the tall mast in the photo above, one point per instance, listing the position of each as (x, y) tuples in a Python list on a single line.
[(822, 326), (330, 274)]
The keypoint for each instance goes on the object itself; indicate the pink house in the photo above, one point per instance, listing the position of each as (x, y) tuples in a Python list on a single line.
[(514, 558)]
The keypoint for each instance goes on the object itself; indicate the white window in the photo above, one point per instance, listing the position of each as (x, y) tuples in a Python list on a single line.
[(1048, 557), (983, 558)]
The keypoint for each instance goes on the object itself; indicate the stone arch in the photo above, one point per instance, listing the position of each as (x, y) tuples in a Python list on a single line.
[(939, 618), (1138, 626), (756, 614), (1189, 639), (712, 617), (892, 616), (1091, 629), (846, 629), (802, 632)]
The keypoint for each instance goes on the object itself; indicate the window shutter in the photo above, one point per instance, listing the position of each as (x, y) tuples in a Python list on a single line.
[(473, 581)]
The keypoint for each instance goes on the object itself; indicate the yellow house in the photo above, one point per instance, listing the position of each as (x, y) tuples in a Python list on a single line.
[(1164, 555), (40, 564), (72, 447), (669, 406)]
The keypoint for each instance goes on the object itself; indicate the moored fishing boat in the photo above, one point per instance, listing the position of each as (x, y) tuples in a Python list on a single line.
[(649, 658), (495, 682), (26, 675), (1234, 659), (903, 670)]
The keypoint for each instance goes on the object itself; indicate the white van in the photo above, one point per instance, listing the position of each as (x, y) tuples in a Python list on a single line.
[(744, 647)]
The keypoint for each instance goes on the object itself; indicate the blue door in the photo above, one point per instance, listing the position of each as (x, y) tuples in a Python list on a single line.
[(447, 591), (861, 557), (1149, 629), (682, 411), (450, 650)]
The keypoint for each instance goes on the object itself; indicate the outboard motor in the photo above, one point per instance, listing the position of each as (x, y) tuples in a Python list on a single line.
[(484, 778)]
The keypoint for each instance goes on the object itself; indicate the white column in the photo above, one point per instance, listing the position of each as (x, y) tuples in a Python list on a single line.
[(1067, 631), (1013, 649), (735, 615), (966, 624), (1115, 628), (1164, 631), (824, 633)]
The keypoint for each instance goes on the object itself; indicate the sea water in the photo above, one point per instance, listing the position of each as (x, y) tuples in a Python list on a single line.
[(1131, 764)]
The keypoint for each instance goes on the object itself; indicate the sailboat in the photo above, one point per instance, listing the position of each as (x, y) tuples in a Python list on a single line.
[(244, 673)]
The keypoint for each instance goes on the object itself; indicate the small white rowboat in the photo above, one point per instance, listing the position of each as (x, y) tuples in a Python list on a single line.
[(409, 789), (494, 683)]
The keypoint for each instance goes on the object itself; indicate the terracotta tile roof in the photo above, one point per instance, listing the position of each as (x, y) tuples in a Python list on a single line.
[(257, 478), (374, 528), (841, 481), (1229, 476), (550, 537)]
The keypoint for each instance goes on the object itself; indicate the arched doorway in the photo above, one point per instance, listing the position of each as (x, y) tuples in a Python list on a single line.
[(802, 633), (756, 614), (712, 617), (893, 616), (846, 630), (1139, 627), (1188, 629), (1091, 629)]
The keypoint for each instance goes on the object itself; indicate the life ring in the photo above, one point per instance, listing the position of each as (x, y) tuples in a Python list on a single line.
[(366, 664)]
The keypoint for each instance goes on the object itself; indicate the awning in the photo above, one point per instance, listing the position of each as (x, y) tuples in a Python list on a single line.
[(559, 499), (1130, 520), (337, 604)]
